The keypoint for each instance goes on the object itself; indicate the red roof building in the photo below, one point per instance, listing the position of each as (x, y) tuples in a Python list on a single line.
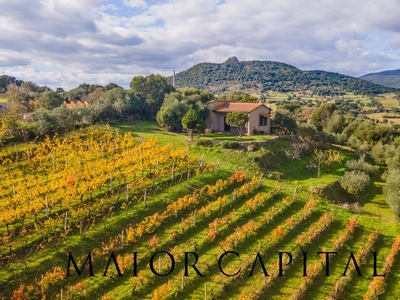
[(259, 116)]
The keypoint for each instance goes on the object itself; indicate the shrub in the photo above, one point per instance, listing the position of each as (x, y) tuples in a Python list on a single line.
[(205, 143), (361, 165), (306, 131), (354, 182), (378, 153), (230, 145)]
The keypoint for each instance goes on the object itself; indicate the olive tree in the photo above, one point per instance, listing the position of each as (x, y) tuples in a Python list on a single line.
[(190, 121), (392, 189), (237, 118), (354, 182)]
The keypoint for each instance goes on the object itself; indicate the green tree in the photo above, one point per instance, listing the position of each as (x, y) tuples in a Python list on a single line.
[(190, 121), (283, 119), (238, 96), (118, 98), (195, 102), (322, 114), (44, 121), (17, 94), (292, 107), (237, 118), (66, 119), (152, 89), (12, 118), (50, 100), (204, 96), (78, 93), (378, 153), (171, 112), (84, 116), (354, 182), (361, 165), (114, 95), (306, 131), (335, 123), (176, 104), (392, 190), (111, 86), (138, 108)]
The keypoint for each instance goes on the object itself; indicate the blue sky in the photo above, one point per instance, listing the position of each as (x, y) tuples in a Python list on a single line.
[(62, 43)]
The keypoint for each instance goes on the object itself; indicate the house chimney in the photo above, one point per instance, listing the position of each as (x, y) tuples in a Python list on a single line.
[(173, 79)]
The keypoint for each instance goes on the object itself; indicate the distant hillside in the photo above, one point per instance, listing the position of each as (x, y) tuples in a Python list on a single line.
[(389, 78), (261, 76)]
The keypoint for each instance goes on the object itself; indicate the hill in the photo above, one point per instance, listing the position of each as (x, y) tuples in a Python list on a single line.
[(261, 76), (389, 78)]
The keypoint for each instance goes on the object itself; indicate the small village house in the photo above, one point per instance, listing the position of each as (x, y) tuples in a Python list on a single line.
[(259, 116)]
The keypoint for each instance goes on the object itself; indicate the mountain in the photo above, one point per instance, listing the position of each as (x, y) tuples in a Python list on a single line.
[(390, 78), (261, 76)]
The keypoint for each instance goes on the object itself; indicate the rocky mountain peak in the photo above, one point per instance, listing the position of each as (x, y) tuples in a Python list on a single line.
[(232, 59)]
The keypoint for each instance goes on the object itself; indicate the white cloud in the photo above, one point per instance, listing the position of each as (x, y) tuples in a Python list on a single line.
[(102, 41), (395, 42), (135, 3)]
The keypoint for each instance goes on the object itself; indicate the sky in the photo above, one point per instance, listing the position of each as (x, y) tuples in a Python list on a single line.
[(62, 43)]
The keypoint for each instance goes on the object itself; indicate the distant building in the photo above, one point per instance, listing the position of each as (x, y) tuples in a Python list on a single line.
[(259, 116)]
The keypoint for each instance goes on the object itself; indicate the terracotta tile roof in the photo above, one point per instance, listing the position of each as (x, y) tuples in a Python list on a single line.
[(236, 106)]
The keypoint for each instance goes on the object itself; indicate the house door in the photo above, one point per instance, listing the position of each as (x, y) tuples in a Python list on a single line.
[(227, 127)]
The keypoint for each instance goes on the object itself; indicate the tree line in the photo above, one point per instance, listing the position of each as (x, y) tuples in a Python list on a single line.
[(90, 104)]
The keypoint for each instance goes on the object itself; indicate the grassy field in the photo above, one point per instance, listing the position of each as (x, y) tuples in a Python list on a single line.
[(388, 100), (139, 206), (381, 116)]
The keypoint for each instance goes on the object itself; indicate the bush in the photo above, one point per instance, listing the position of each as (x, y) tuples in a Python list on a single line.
[(306, 131), (354, 142), (205, 143), (361, 165), (340, 138), (230, 145), (354, 182), (378, 153)]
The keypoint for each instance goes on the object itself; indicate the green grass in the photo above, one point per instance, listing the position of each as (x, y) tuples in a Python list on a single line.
[(388, 102), (148, 129), (235, 137)]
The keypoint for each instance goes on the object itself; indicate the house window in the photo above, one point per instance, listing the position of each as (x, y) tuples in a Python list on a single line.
[(263, 121)]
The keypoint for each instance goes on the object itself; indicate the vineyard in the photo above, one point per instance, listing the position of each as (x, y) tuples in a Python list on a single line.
[(109, 215)]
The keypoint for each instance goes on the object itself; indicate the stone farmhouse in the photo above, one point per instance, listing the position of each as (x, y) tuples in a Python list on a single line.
[(259, 116)]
